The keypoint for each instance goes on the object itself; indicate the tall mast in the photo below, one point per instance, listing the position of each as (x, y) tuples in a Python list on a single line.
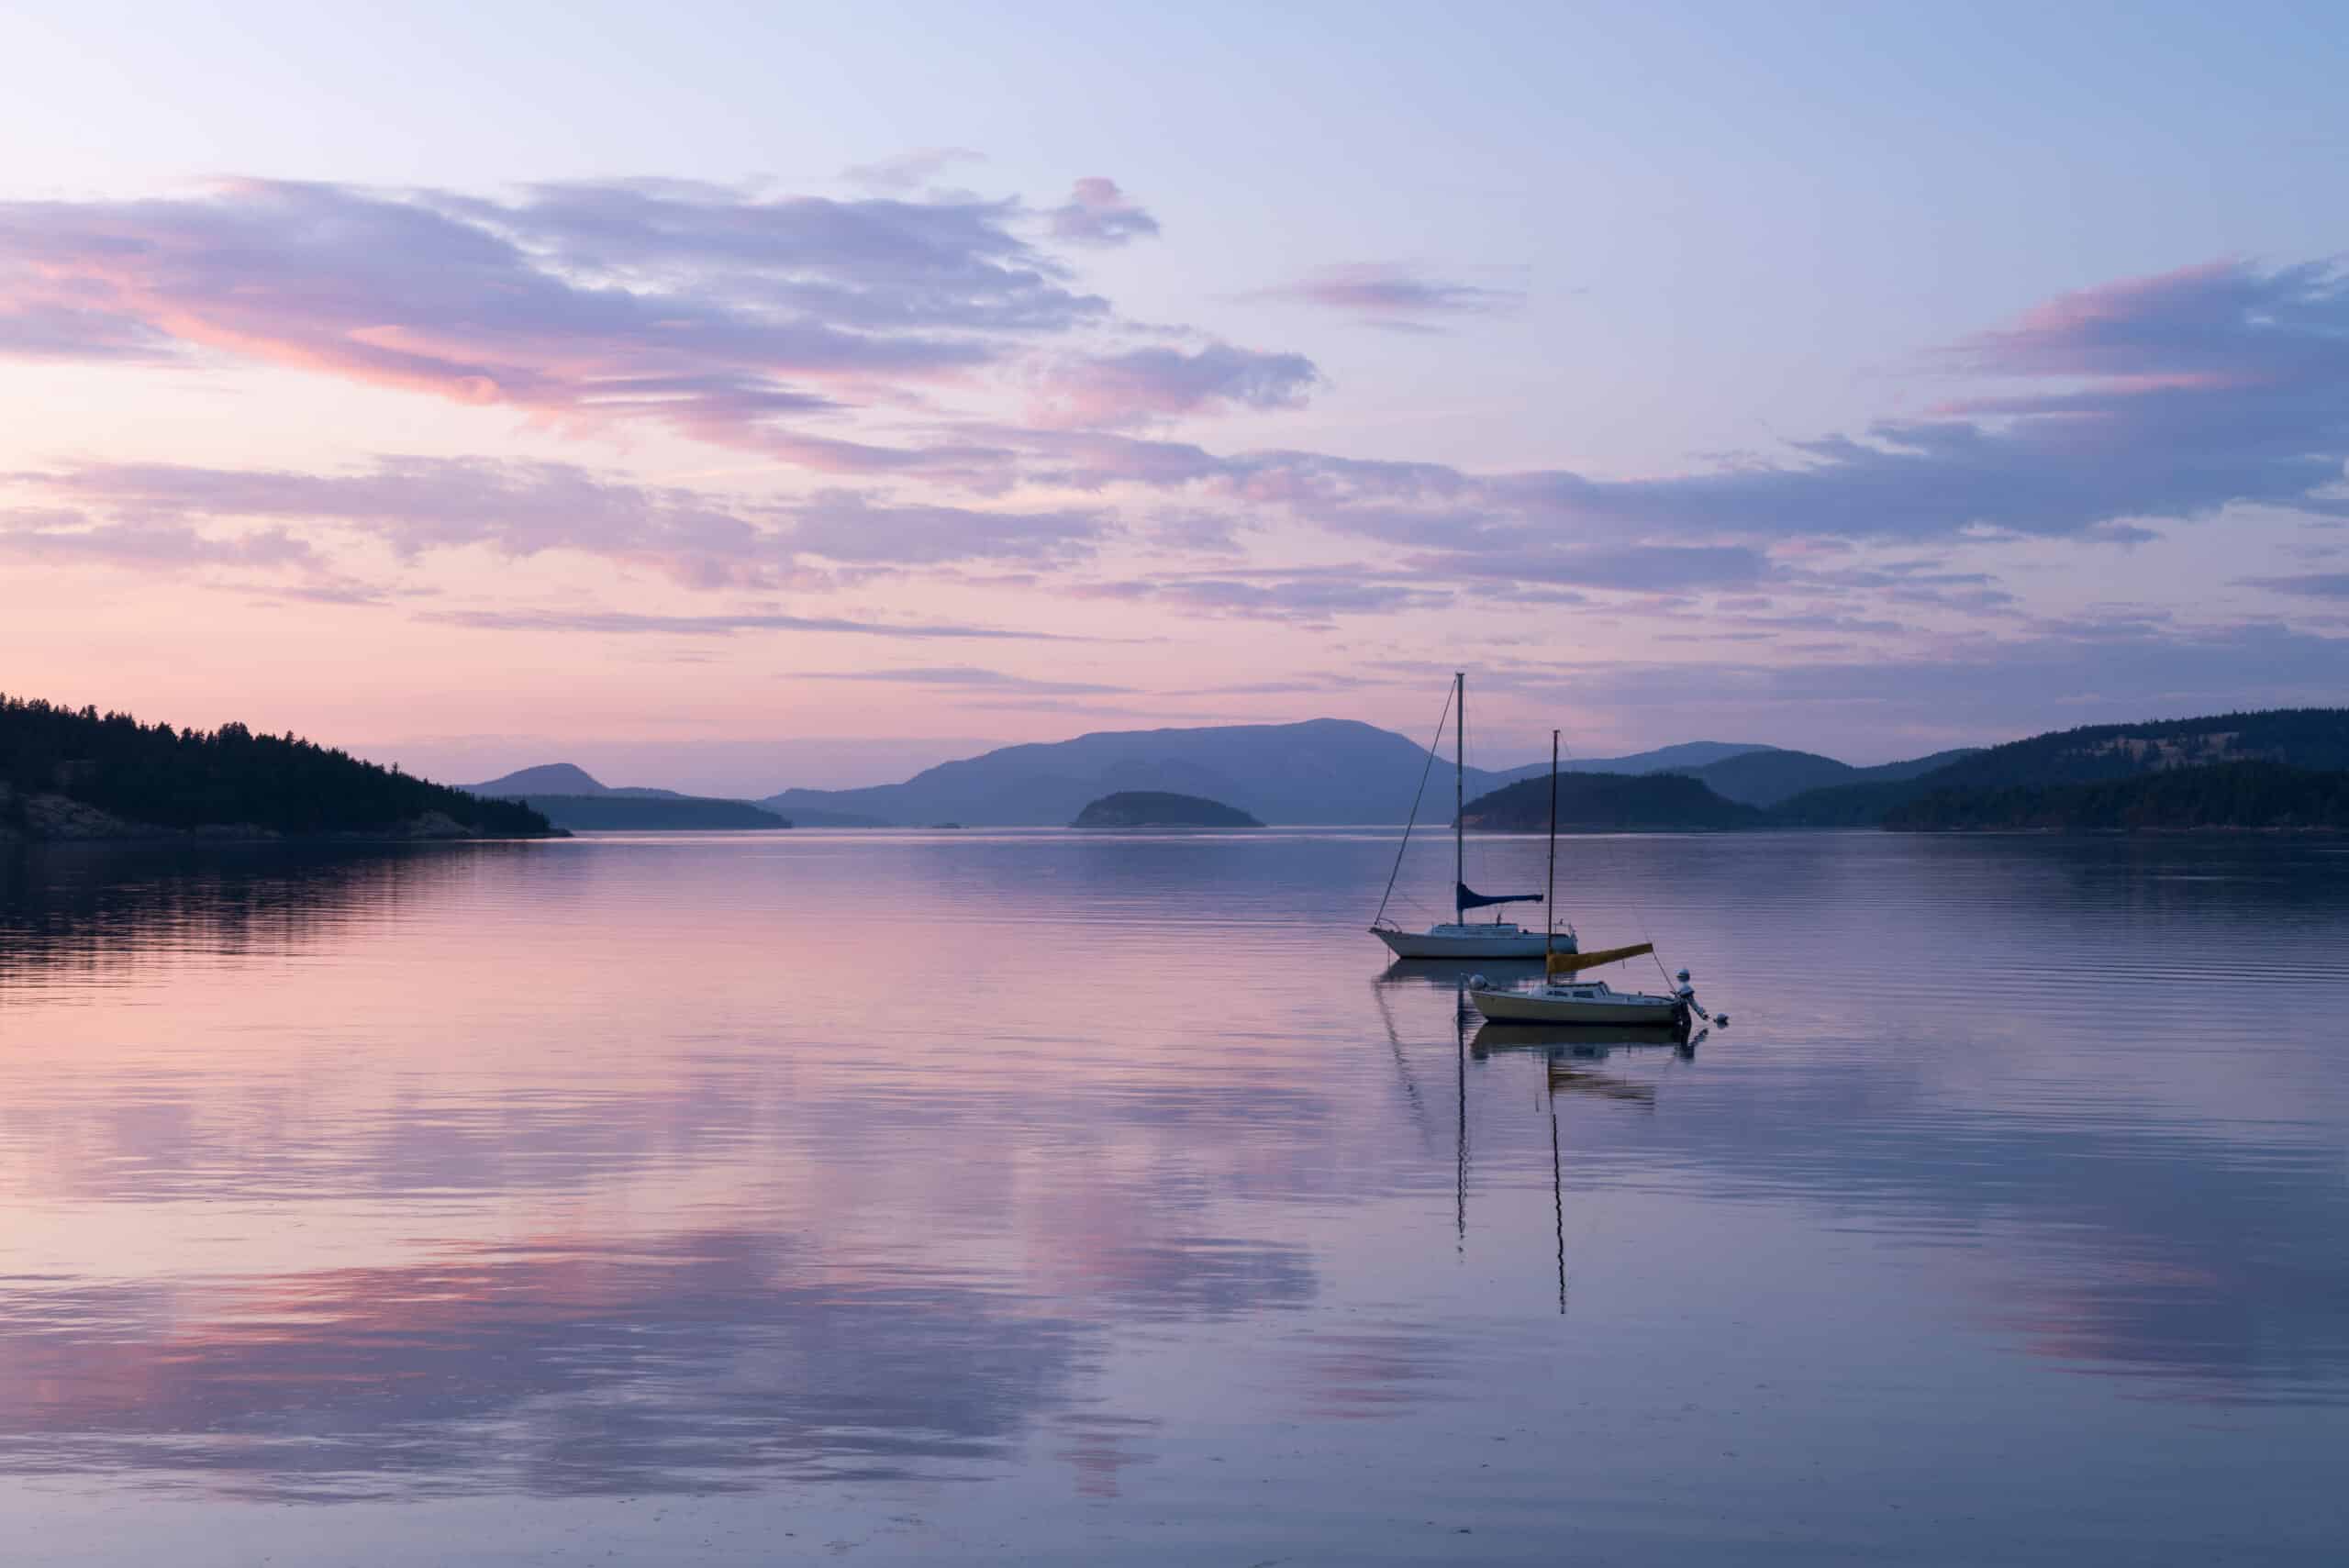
[(1550, 892), (1459, 774)]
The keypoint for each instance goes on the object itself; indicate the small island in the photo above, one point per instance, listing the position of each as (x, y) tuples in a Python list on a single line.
[(1154, 808), (1608, 802)]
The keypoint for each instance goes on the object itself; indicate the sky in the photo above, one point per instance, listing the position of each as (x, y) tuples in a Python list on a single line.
[(733, 398)]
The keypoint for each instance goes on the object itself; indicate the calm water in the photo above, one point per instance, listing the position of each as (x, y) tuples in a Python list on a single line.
[(1043, 1198)]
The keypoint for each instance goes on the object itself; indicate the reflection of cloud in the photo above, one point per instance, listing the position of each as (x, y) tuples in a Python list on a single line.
[(696, 1363), (1361, 1373)]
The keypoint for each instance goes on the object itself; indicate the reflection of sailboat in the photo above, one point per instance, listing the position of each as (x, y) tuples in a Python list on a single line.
[(1444, 975), (1583, 1042), (1604, 1085), (1460, 937), (1573, 1001)]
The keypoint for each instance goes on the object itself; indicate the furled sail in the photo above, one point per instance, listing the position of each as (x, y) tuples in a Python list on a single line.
[(1469, 900), (1567, 963)]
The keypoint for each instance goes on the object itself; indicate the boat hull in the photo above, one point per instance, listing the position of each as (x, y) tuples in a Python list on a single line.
[(1464, 941), (1540, 1008)]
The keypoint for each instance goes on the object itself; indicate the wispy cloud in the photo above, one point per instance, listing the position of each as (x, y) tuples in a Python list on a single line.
[(1305, 597), (2308, 584), (724, 623), (845, 525), (54, 538), (966, 677), (909, 171), (1385, 294), (417, 505)]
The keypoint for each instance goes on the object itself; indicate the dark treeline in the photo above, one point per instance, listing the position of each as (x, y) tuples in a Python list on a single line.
[(155, 775), (2222, 794)]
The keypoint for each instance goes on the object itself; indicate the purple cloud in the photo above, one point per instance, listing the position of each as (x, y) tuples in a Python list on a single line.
[(2182, 394), (1098, 213), (1162, 382), (844, 526), (2310, 585), (51, 537), (1306, 596), (416, 504), (964, 677), (693, 306)]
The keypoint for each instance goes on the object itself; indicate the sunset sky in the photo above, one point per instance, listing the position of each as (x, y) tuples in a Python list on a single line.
[(737, 396)]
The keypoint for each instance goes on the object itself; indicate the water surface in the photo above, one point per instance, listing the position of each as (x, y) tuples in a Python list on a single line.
[(1082, 1198)]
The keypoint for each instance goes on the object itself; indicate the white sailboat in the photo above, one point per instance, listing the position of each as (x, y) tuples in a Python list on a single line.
[(1460, 937), (1573, 1001)]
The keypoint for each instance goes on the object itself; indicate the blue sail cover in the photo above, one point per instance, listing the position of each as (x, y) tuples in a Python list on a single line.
[(1479, 900)]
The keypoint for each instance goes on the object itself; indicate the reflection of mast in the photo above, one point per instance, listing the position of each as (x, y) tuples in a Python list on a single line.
[(1460, 1172), (1558, 1205)]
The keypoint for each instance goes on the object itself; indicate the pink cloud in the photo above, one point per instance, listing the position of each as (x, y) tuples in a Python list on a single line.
[(1098, 213), (733, 319)]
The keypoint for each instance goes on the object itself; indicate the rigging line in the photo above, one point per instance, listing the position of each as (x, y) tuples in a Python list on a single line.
[(1406, 844), (1403, 1069)]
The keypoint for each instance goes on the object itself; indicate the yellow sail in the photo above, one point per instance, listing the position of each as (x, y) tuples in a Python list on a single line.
[(1567, 963)]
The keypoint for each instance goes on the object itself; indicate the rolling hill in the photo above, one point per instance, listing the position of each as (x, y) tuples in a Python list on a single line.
[(570, 796), (1767, 775)]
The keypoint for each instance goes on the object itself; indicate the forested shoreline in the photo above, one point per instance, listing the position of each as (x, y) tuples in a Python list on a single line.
[(75, 772)]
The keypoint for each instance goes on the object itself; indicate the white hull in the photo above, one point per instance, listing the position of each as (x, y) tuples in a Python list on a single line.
[(1474, 939), (1587, 1004)]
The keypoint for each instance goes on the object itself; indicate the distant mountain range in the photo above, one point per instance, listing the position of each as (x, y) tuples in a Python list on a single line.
[(1325, 770), (1330, 771)]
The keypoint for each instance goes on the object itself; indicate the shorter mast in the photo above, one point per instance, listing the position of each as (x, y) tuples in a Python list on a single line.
[(1550, 890), (1459, 823)]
